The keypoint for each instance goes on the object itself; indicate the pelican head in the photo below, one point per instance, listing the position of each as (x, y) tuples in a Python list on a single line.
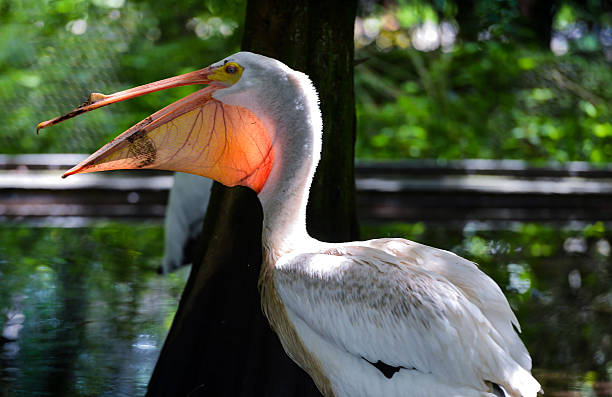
[(224, 131)]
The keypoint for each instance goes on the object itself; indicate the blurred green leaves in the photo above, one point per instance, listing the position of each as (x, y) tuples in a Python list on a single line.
[(485, 100), (54, 53), (492, 95)]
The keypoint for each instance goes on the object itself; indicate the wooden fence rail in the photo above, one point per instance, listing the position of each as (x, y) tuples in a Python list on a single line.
[(437, 192)]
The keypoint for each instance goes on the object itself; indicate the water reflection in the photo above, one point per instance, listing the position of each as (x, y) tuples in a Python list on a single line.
[(91, 311), (83, 312)]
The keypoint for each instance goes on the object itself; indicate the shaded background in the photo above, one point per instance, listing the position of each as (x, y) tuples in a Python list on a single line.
[(83, 311)]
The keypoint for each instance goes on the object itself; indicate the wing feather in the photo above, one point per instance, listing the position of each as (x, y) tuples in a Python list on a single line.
[(371, 304), (479, 288)]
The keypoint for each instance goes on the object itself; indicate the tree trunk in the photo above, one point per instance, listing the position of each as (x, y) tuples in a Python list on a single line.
[(537, 19), (468, 21), (317, 39), (220, 343)]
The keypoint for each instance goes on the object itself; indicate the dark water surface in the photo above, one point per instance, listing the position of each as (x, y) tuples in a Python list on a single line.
[(93, 312), (84, 313)]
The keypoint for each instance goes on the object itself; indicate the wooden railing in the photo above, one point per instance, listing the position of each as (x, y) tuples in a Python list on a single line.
[(484, 190), (437, 192)]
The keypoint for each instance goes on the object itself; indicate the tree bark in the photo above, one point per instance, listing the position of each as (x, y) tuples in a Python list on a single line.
[(537, 18), (469, 24), (220, 343), (317, 39)]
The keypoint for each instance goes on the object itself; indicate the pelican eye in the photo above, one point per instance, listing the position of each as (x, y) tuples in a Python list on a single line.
[(228, 73)]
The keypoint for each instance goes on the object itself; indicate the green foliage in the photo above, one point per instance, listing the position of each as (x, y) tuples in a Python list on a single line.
[(492, 98), (497, 97), (54, 53)]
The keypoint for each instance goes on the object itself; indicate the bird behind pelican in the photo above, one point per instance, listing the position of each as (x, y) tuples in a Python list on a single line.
[(187, 203), (386, 317)]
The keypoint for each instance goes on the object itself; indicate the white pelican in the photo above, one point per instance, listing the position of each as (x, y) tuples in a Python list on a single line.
[(386, 317), (185, 213)]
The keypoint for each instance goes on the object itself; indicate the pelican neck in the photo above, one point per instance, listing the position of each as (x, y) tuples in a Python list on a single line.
[(297, 150)]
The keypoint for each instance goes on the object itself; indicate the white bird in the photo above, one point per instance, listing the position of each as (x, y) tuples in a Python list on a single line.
[(187, 203), (386, 317)]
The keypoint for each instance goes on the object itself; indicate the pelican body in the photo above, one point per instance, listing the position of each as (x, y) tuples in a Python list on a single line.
[(386, 317)]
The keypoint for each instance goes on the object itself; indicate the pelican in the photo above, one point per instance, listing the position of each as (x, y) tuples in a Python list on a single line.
[(386, 317), (185, 213)]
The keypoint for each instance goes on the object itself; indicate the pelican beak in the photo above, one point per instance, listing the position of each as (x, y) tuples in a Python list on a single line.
[(97, 100), (196, 134)]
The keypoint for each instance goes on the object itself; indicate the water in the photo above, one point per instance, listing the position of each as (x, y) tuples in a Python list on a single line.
[(89, 313), (87, 307)]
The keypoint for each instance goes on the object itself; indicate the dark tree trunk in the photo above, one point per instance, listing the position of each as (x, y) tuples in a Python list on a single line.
[(316, 37), (537, 19), (468, 21), (220, 344)]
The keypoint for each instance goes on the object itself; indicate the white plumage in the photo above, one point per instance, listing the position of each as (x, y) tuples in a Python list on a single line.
[(383, 300), (185, 212)]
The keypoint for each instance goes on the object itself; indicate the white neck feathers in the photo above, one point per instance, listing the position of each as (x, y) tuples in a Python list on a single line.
[(297, 153), (290, 113)]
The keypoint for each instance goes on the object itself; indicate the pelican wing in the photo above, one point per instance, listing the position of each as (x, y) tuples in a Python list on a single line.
[(380, 307), (479, 288)]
